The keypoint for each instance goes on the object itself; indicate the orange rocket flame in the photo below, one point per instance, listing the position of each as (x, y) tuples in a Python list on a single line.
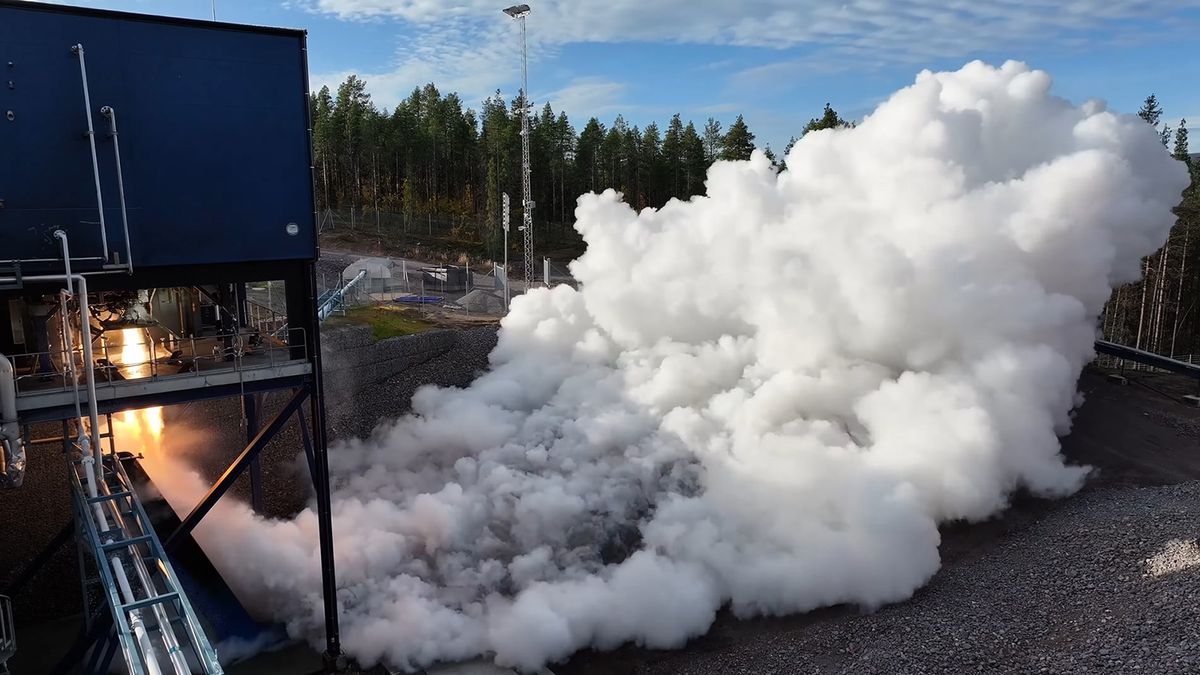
[(138, 431)]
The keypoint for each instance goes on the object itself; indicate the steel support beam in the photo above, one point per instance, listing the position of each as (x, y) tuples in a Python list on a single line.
[(333, 640), (1148, 358), (306, 441), (235, 469), (252, 404)]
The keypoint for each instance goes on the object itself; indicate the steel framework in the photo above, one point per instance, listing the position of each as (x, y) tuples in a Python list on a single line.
[(519, 12)]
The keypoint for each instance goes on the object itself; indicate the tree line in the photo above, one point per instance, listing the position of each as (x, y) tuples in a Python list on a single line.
[(433, 157), (1161, 312)]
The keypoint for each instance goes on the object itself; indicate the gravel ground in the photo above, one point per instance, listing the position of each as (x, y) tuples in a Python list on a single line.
[(356, 413), (1107, 583)]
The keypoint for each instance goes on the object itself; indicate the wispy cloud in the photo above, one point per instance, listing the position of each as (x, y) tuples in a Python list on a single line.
[(721, 108), (889, 25), (470, 45), (717, 65), (590, 95)]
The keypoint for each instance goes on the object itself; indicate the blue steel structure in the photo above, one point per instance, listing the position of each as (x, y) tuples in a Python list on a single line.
[(205, 184), (213, 130)]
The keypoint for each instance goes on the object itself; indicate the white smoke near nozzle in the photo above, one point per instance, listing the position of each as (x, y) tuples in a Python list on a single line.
[(767, 397)]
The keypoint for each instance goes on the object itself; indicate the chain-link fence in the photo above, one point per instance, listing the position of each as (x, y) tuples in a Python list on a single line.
[(1116, 363), (554, 274), (415, 226), (476, 288)]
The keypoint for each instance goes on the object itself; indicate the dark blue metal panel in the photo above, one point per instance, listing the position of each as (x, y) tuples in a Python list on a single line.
[(213, 123)]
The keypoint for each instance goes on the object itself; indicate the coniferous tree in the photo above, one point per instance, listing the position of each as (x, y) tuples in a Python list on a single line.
[(829, 119), (773, 159), (738, 142), (672, 157), (650, 165), (695, 161), (1181, 143), (587, 156), (712, 140), (1150, 111), (432, 167)]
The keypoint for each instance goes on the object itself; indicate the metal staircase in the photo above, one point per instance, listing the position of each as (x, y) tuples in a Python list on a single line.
[(153, 623), (8, 634), (329, 302), (335, 300)]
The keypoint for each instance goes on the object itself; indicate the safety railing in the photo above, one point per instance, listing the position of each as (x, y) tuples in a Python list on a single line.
[(265, 319), (172, 357)]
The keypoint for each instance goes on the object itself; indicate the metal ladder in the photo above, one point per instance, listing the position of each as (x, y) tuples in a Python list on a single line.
[(156, 629), (8, 634)]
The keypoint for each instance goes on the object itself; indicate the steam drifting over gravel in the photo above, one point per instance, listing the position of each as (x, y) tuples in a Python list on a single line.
[(767, 397)]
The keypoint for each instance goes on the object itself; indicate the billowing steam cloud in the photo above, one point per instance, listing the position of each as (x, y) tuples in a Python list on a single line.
[(767, 397)]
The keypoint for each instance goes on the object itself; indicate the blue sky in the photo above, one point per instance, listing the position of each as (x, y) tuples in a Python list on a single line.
[(774, 61)]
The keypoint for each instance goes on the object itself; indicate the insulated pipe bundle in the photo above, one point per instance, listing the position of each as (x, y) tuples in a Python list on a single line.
[(12, 449)]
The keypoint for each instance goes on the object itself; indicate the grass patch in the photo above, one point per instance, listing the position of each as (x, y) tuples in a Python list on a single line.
[(385, 320)]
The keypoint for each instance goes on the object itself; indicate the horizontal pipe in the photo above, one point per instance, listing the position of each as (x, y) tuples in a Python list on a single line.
[(46, 260)]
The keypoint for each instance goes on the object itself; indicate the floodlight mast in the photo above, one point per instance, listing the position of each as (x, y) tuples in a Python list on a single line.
[(519, 12)]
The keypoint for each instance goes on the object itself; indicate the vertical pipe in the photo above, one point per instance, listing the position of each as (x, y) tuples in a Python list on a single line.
[(91, 134), (85, 337), (111, 114), (69, 352)]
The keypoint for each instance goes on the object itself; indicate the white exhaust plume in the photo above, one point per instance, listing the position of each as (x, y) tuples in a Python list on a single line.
[(767, 397)]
